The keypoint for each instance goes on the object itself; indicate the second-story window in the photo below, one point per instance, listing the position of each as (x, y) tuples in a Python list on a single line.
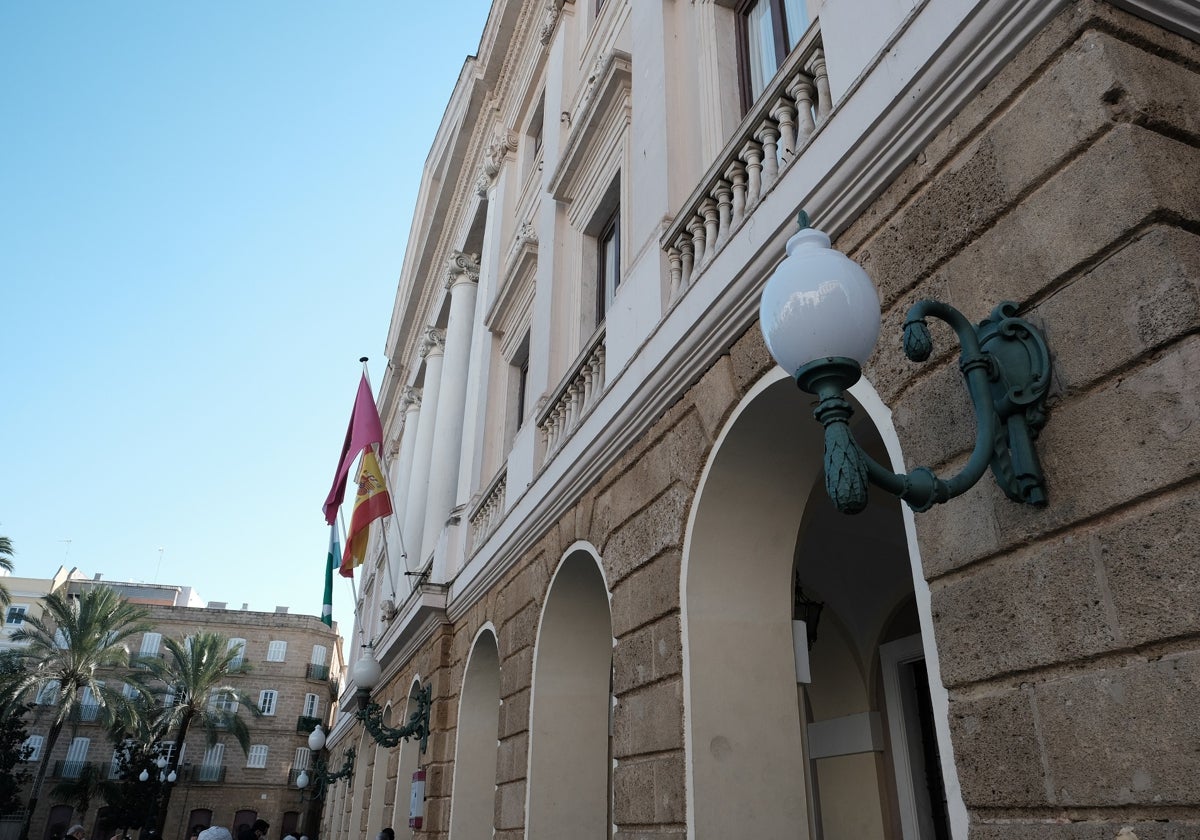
[(238, 648), (16, 616), (34, 744), (769, 29), (311, 705), (223, 701), (608, 264), (267, 700), (276, 651), (257, 757)]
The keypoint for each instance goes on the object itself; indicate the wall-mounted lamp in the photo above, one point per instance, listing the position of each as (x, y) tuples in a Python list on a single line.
[(820, 317), (809, 611), (366, 673), (321, 778)]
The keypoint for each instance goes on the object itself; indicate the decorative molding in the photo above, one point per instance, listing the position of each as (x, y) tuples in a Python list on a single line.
[(434, 341), (526, 233), (410, 397), (550, 21), (603, 112), (461, 267)]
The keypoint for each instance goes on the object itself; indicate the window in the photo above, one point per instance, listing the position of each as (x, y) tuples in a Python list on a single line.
[(34, 744), (167, 750), (60, 638), (76, 758), (303, 756), (266, 701), (16, 616), (768, 30), (223, 701), (238, 648), (128, 691), (212, 763), (257, 757), (48, 694), (276, 651), (312, 704), (150, 644), (169, 697), (608, 263), (320, 652)]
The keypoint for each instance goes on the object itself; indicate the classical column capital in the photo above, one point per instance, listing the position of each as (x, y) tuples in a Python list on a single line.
[(549, 21), (410, 399), (462, 267), (434, 342), (503, 142)]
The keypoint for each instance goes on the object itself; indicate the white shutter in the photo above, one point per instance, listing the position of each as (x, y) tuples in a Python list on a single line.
[(150, 644), (319, 654), (277, 651), (303, 756), (34, 742), (76, 756), (257, 757)]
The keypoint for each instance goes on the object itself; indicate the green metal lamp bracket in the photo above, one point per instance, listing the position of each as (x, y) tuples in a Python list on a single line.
[(322, 779), (1007, 369), (417, 727)]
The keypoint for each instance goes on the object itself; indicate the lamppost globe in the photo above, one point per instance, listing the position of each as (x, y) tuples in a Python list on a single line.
[(818, 304), (316, 739), (162, 762), (302, 780), (143, 776), (171, 777), (366, 671)]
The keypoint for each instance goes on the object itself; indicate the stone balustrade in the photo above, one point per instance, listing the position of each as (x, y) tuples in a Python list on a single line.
[(573, 398), (488, 511), (769, 138)]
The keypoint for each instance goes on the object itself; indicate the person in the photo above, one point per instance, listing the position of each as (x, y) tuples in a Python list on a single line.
[(386, 834), (258, 831), (196, 829), (216, 832), (76, 831)]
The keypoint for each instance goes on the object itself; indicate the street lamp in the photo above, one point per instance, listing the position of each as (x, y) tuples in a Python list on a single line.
[(819, 315), (366, 673), (321, 777)]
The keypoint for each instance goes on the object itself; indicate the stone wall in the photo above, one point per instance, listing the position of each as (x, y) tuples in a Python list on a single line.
[(1067, 635)]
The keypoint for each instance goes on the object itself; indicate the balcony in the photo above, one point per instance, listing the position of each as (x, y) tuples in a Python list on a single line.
[(768, 141), (306, 724), (70, 769), (84, 713), (574, 398), (488, 511), (204, 773), (316, 672)]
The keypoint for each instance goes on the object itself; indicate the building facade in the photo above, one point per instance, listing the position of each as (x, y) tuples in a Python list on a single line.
[(609, 499), (290, 666)]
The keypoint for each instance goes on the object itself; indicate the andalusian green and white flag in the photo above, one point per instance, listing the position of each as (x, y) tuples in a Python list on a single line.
[(332, 562)]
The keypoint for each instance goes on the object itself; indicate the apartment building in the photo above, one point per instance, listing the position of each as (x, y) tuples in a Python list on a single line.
[(289, 665), (610, 501)]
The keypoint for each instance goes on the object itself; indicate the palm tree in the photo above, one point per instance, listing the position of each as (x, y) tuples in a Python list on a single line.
[(6, 563), (194, 678), (63, 648), (80, 791)]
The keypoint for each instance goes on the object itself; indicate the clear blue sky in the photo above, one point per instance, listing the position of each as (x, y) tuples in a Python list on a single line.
[(203, 215)]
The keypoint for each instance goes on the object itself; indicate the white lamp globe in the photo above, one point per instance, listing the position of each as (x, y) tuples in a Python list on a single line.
[(366, 670), (818, 303), (143, 776), (302, 780), (171, 777), (316, 739)]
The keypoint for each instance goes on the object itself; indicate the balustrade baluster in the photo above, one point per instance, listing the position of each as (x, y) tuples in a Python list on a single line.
[(708, 207), (675, 269), (802, 91), (685, 259), (736, 175), (695, 227), (784, 113), (724, 194), (768, 135), (816, 68), (752, 155)]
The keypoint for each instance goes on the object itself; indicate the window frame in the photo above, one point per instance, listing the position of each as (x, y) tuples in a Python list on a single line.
[(259, 751), (36, 742), (312, 709), (277, 646), (20, 610), (606, 291), (779, 43), (274, 704)]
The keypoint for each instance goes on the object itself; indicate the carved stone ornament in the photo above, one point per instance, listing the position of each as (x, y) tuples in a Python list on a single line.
[(410, 397), (505, 141), (527, 233), (435, 339), (593, 81), (553, 10), (462, 265), (482, 183)]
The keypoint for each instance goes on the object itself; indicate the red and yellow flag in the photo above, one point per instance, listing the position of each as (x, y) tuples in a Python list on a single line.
[(371, 503)]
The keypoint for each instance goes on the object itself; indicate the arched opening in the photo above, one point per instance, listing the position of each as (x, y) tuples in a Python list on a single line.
[(410, 755), (804, 755), (199, 817), (376, 816), (569, 764), (58, 821), (291, 819), (473, 800), (244, 818), (354, 820)]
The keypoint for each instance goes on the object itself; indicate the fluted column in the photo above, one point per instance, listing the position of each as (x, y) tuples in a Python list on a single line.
[(462, 282), (432, 350), (410, 403)]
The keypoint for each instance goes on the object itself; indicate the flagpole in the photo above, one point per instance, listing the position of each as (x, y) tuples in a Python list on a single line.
[(386, 472), (350, 580)]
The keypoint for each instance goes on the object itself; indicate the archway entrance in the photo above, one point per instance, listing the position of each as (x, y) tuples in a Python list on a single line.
[(843, 750), (472, 808)]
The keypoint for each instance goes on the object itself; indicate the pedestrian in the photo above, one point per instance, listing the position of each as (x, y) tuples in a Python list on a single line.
[(215, 832), (386, 834), (76, 831)]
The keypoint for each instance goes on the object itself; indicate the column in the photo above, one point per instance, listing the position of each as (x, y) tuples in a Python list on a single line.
[(410, 403), (432, 350), (462, 282)]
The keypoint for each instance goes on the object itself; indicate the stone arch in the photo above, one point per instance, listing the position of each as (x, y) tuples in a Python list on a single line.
[(760, 523), (409, 761), (377, 816), (473, 797), (570, 704)]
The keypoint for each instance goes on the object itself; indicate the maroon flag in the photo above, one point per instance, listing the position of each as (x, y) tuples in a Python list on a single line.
[(364, 429)]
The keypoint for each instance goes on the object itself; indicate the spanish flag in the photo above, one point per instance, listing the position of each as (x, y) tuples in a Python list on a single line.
[(371, 503)]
